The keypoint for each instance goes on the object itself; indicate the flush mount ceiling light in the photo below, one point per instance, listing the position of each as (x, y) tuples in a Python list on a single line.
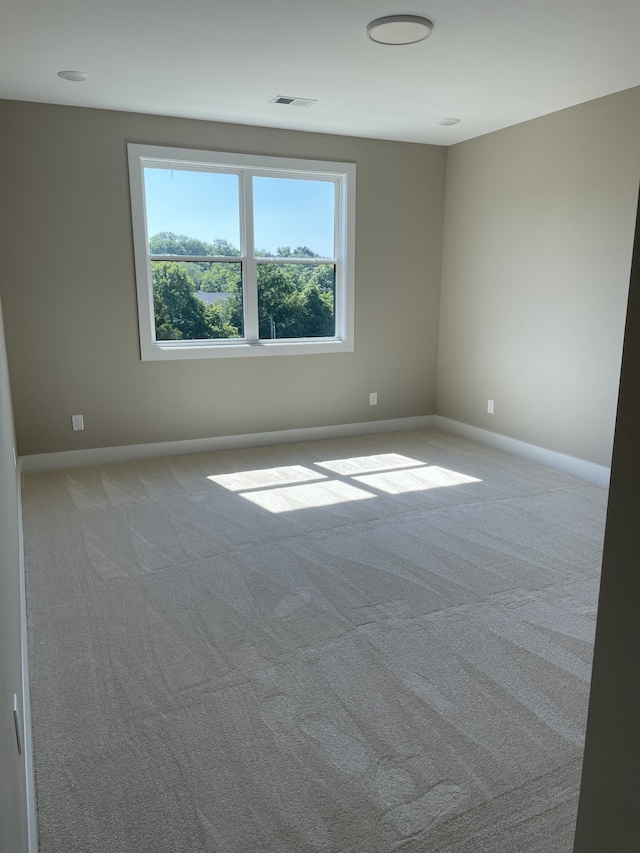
[(399, 29), (448, 122), (73, 76)]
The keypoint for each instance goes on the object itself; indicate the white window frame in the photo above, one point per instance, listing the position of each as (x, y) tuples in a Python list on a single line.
[(343, 175)]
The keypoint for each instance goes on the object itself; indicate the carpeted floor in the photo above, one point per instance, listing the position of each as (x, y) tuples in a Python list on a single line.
[(349, 646)]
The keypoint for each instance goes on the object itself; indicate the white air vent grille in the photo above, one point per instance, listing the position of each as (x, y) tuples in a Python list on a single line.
[(289, 101)]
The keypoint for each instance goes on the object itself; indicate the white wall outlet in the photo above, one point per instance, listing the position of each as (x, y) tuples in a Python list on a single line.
[(373, 398), (77, 422), (490, 407)]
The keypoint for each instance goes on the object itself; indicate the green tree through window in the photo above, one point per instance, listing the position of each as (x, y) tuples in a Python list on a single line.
[(294, 300)]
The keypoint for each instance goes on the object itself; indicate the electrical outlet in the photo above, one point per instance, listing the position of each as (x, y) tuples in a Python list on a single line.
[(490, 407), (77, 422), (373, 398)]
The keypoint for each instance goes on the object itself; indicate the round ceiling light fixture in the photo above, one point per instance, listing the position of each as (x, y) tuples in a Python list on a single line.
[(73, 76), (399, 29), (449, 122)]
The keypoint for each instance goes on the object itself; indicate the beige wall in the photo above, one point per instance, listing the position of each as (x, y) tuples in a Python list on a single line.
[(68, 289), (537, 249), (13, 809)]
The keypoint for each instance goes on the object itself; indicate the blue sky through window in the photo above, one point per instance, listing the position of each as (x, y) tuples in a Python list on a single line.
[(199, 204), (287, 212), (293, 212)]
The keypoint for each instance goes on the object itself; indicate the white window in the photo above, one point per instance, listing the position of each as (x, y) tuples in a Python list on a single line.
[(241, 255)]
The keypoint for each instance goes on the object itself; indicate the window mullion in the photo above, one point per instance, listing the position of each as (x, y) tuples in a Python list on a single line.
[(197, 259), (339, 247), (249, 273)]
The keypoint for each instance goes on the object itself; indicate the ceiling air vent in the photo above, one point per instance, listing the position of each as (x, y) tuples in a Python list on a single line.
[(293, 102)]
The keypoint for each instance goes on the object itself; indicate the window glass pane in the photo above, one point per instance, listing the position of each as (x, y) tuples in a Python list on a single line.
[(293, 218), (191, 212), (197, 301), (296, 300)]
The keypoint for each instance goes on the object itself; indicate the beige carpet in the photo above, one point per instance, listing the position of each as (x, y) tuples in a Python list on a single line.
[(356, 646)]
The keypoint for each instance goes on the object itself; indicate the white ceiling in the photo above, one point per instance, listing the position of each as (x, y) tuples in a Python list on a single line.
[(491, 63)]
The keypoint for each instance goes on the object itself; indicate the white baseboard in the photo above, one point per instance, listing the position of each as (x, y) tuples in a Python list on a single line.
[(27, 745), (126, 453), (590, 471)]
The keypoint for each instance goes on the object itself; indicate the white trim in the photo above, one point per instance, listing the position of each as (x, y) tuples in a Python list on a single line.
[(590, 471), (190, 159), (32, 822), (343, 177), (225, 348), (126, 453), (146, 319), (300, 260), (249, 269), (198, 259)]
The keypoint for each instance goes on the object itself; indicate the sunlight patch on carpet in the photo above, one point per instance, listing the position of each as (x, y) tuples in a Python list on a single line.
[(293, 487), (415, 479), (265, 477), (307, 496)]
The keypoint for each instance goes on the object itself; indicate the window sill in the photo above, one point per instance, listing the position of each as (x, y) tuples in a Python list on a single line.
[(170, 350)]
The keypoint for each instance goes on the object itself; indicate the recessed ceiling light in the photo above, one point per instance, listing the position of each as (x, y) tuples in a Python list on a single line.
[(448, 122), (399, 29), (73, 76)]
